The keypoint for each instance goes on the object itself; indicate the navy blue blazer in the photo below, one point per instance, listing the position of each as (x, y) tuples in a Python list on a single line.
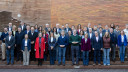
[(3, 36), (24, 28), (91, 39), (69, 29), (25, 32), (19, 37), (51, 43), (62, 41), (59, 30), (28, 44), (119, 41), (105, 31), (97, 45)]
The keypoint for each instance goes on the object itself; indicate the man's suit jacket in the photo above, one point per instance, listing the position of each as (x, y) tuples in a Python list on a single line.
[(11, 42), (91, 39), (33, 37), (19, 37), (69, 29), (24, 28), (97, 45)]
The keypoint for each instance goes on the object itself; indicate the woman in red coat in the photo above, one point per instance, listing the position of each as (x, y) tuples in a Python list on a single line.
[(39, 48)]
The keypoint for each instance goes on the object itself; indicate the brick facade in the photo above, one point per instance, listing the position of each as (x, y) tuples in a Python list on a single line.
[(65, 11)]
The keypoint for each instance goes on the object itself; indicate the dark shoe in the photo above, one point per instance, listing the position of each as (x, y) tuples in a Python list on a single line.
[(77, 64), (63, 64), (59, 64), (12, 63), (17, 60), (3, 59), (7, 64), (73, 64)]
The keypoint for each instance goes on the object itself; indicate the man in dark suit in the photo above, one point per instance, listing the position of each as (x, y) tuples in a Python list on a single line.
[(27, 30), (113, 38), (32, 36), (10, 43), (67, 28), (106, 29), (101, 32), (97, 47), (91, 35), (58, 29), (10, 26), (46, 27), (22, 26), (18, 40)]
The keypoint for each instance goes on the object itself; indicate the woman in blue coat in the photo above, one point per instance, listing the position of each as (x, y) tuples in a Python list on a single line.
[(122, 42), (52, 50), (26, 48)]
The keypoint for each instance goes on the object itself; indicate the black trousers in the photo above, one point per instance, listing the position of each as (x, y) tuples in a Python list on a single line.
[(19, 54), (91, 54), (32, 54), (68, 52), (40, 61), (113, 51)]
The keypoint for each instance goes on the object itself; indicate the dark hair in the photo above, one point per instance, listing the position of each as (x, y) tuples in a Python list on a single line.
[(82, 32), (56, 30), (100, 28), (35, 26), (113, 25), (39, 28), (78, 26)]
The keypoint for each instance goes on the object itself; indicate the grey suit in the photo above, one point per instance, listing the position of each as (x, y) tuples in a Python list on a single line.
[(10, 43)]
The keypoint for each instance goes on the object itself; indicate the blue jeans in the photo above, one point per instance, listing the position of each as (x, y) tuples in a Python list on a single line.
[(106, 60), (52, 56), (122, 53), (62, 53), (73, 50), (97, 56), (8, 55), (85, 57)]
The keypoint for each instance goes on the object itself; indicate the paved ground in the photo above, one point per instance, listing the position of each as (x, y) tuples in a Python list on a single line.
[(63, 70)]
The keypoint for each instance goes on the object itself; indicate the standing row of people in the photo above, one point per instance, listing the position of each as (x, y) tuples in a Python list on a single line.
[(60, 44)]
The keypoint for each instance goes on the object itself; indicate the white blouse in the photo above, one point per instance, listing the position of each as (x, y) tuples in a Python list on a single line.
[(122, 38), (25, 42)]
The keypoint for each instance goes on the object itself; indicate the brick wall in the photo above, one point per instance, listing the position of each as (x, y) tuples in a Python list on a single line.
[(32, 11), (93, 11), (66, 11)]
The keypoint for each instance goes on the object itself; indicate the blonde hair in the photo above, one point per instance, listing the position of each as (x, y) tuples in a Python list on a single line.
[(107, 35), (86, 34)]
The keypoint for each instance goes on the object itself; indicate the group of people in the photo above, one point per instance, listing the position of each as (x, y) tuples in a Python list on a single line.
[(30, 43)]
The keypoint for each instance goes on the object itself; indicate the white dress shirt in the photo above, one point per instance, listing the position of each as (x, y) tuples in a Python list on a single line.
[(22, 27), (51, 39), (9, 38), (10, 28), (97, 39), (67, 29), (100, 34), (90, 35)]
